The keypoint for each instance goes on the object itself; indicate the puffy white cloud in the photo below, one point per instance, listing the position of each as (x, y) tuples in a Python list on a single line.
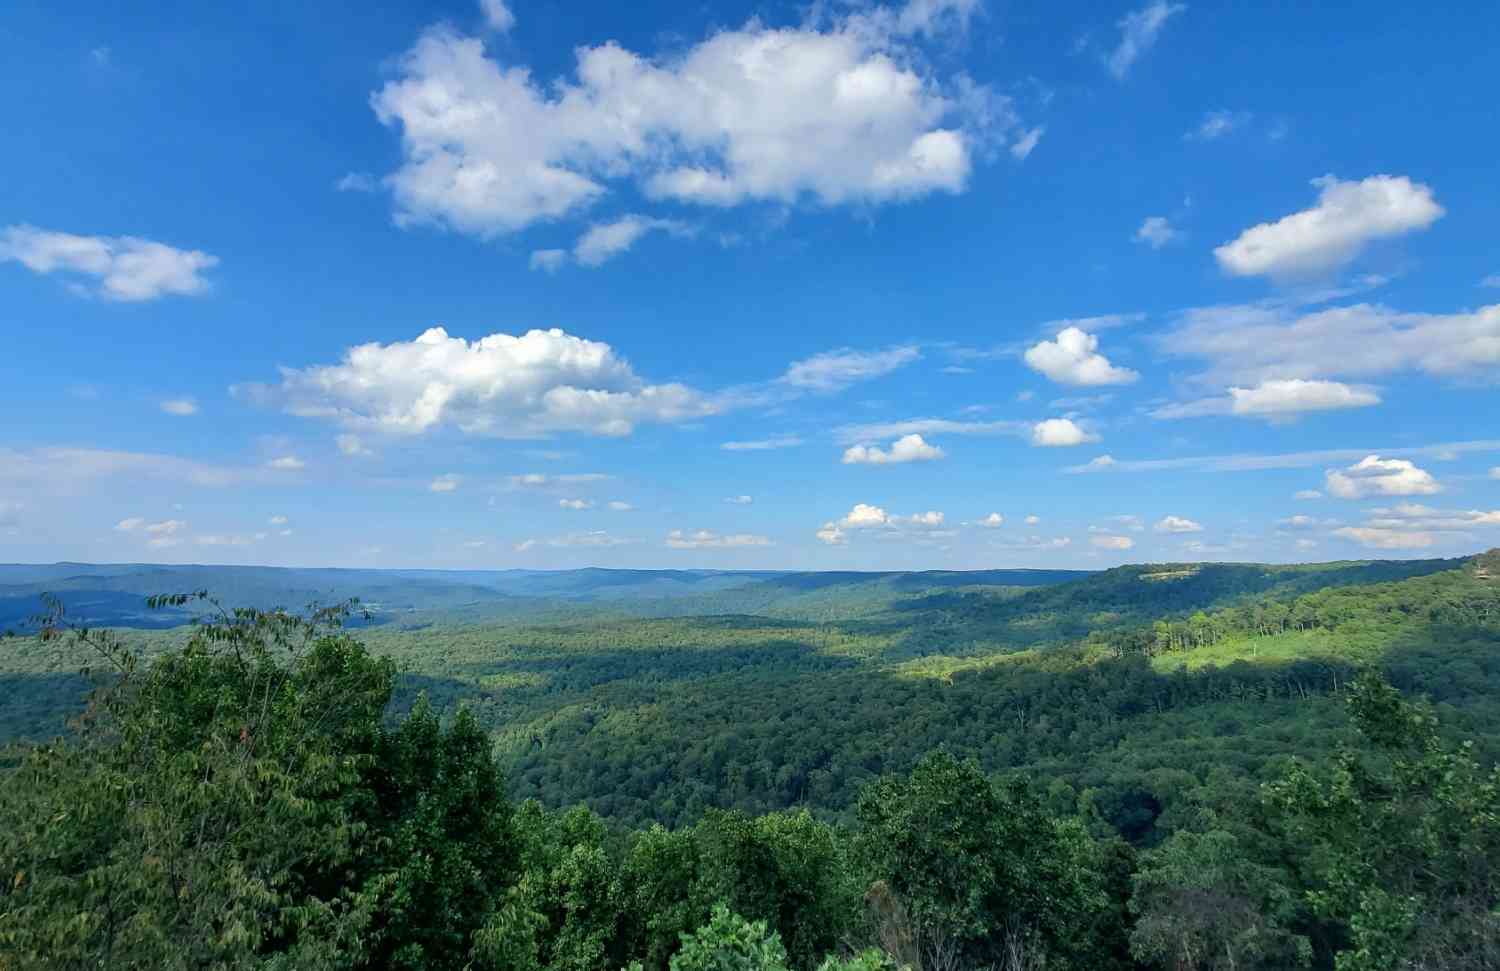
[(159, 535), (1348, 216), (1177, 524), (1255, 343), (497, 16), (617, 505), (763, 444), (1217, 124), (1375, 476), (994, 520), (182, 407), (1060, 433), (286, 463), (833, 535), (445, 483), (539, 383), (1386, 539), (837, 370), (575, 504), (679, 539), (864, 516), (740, 500), (1138, 33), (127, 268), (352, 446), (1033, 520), (1074, 358), (843, 114), (909, 448), (1156, 232), (1276, 400), (1105, 541)]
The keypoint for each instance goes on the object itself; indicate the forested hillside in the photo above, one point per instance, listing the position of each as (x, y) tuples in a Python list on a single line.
[(1234, 783)]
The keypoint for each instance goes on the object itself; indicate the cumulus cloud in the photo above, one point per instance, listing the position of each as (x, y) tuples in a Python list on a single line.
[(1156, 232), (605, 241), (832, 534), (617, 505), (182, 407), (1074, 358), (126, 268), (286, 463), (1033, 520), (763, 444), (1348, 216), (864, 516), (846, 113), (537, 384), (497, 16), (700, 539), (159, 535), (837, 370), (995, 520), (1246, 345), (1177, 524), (1276, 400), (575, 503), (1105, 541), (276, 521), (444, 483), (909, 448), (1060, 433), (1138, 33), (1307, 494), (1375, 476)]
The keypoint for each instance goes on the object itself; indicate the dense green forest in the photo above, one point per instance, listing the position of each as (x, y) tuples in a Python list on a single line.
[(1174, 766)]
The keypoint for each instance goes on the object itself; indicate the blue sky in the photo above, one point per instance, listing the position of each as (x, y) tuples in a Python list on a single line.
[(942, 284)]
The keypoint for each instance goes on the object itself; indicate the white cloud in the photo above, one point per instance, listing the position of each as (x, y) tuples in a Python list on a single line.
[(1033, 520), (846, 114), (1276, 400), (740, 500), (1138, 32), (182, 407), (1092, 324), (160, 535), (550, 260), (539, 383), (524, 545), (588, 539), (617, 505), (130, 525), (1375, 476), (1177, 524), (276, 521), (993, 520), (1060, 432), (1258, 462), (357, 182), (1300, 522), (497, 16), (604, 241), (575, 503), (128, 268), (352, 446), (444, 483), (1411, 515), (1156, 232), (707, 539), (1307, 494), (60, 468), (1246, 345), (1074, 358), (538, 480), (1109, 542), (833, 535), (1217, 124), (865, 516), (837, 370), (909, 448), (286, 463), (1022, 147), (763, 444), (1348, 216), (1386, 539)]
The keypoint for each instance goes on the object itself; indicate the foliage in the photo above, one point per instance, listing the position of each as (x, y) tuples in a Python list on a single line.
[(729, 942)]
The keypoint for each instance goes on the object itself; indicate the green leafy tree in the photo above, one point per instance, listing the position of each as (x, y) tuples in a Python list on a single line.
[(729, 942), (1200, 903)]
